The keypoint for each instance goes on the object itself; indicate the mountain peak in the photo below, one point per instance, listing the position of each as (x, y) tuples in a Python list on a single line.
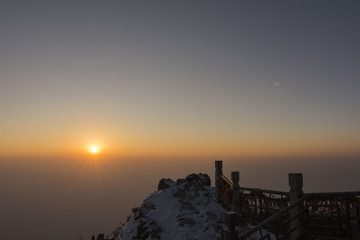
[(185, 209)]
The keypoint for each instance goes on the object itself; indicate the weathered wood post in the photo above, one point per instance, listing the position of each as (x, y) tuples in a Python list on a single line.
[(218, 173), (358, 214), (296, 184), (348, 217), (235, 204), (231, 223)]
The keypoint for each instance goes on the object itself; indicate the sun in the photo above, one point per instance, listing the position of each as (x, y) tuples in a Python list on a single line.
[(94, 149)]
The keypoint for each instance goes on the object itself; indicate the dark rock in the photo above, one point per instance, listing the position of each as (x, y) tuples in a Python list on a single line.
[(180, 194), (100, 237), (210, 215), (195, 179), (186, 221), (199, 186), (187, 205), (155, 236), (146, 228), (205, 179), (192, 178), (180, 181), (143, 231), (134, 210), (164, 183)]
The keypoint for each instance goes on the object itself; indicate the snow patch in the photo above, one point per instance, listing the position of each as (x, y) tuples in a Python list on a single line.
[(185, 209)]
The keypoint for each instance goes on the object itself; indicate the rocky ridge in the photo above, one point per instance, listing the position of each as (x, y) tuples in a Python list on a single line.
[(185, 209)]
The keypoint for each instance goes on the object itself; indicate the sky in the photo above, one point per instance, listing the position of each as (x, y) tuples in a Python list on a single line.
[(189, 78), (164, 88)]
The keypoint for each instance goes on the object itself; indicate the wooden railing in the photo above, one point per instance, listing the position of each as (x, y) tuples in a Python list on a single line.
[(287, 215), (279, 226), (258, 204), (334, 214), (322, 216), (251, 204), (224, 189)]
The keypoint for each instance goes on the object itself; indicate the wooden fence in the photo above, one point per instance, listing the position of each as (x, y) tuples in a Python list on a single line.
[(287, 215), (252, 204)]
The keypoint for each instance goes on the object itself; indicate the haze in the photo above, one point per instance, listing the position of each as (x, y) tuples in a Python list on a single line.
[(163, 89)]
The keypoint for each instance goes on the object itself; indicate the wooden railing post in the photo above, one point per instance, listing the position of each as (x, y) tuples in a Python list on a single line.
[(218, 173), (296, 184), (358, 214), (348, 217), (231, 223), (235, 204)]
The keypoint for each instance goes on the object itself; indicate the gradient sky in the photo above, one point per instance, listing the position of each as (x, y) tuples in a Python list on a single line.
[(180, 78), (165, 88)]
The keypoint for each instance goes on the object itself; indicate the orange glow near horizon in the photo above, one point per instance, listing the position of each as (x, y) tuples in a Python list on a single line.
[(143, 144), (159, 148)]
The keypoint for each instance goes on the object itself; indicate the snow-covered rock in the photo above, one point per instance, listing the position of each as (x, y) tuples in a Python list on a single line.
[(185, 209)]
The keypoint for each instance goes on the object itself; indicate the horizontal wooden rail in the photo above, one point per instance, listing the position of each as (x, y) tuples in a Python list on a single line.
[(331, 194), (263, 191), (226, 180)]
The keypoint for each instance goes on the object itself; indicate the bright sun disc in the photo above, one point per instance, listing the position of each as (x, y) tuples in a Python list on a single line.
[(94, 149)]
